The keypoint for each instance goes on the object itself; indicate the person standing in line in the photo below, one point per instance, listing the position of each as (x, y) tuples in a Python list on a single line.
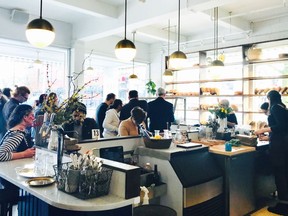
[(7, 92), (3, 100), (160, 112), (111, 121), (19, 96), (101, 111), (133, 102), (39, 109), (278, 149)]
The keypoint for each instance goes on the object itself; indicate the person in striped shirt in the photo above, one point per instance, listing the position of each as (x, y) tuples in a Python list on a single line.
[(15, 144)]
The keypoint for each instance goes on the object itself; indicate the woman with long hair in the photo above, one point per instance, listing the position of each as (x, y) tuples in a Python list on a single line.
[(278, 149), (14, 144)]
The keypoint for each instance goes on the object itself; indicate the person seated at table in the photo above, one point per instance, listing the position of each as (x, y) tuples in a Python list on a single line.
[(80, 127), (15, 144), (130, 126)]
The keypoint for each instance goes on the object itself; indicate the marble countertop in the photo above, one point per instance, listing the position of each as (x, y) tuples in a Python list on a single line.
[(52, 196)]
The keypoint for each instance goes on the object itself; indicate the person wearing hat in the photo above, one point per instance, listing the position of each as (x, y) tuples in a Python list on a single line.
[(80, 127), (160, 112)]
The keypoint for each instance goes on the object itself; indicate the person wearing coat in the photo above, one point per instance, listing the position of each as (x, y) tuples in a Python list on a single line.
[(160, 112)]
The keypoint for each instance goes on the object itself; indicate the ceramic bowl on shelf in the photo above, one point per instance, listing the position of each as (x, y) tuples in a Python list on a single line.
[(283, 55), (157, 143)]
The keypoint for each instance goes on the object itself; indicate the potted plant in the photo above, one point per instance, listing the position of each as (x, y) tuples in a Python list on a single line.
[(151, 87)]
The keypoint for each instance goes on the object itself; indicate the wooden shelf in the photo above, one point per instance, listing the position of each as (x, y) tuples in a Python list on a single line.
[(265, 61)]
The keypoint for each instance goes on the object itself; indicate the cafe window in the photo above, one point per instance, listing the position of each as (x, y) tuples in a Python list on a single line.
[(26, 66)]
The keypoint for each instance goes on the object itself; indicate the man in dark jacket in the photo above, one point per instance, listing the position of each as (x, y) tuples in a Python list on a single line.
[(20, 95), (80, 127), (160, 112), (133, 102)]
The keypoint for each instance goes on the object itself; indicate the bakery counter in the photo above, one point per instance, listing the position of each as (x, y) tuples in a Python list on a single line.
[(194, 180), (54, 201), (238, 166), (189, 172)]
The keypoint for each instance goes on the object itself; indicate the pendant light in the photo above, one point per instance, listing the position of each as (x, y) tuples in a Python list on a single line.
[(133, 76), (39, 32), (37, 61), (216, 61), (125, 49), (89, 68), (177, 59)]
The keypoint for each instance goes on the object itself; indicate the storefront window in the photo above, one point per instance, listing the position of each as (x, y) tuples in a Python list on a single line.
[(20, 68)]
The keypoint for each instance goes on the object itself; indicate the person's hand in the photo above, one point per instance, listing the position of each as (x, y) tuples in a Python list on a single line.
[(258, 132), (30, 152), (263, 137)]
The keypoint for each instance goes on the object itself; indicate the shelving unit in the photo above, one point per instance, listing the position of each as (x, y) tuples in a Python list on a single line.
[(174, 98), (244, 83)]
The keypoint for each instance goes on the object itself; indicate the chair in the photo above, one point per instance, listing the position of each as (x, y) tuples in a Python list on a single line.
[(7, 199)]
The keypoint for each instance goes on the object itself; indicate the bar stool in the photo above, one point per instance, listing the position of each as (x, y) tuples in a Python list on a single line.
[(155, 210), (7, 200)]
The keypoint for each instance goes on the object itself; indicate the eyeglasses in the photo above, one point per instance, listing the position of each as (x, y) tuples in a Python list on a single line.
[(26, 98)]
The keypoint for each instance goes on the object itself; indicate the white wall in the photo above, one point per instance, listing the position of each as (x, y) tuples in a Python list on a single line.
[(15, 31)]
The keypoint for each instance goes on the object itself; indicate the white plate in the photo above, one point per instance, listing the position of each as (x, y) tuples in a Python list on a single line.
[(29, 173)]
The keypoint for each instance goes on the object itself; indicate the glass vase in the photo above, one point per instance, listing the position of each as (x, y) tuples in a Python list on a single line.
[(53, 140), (222, 125)]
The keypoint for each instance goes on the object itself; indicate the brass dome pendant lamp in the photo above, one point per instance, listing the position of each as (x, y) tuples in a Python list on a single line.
[(125, 49), (39, 32), (216, 62), (177, 59)]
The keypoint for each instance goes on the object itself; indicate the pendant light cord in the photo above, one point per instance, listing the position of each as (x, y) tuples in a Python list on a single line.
[(40, 9), (215, 32), (125, 19), (169, 38), (133, 42), (179, 26)]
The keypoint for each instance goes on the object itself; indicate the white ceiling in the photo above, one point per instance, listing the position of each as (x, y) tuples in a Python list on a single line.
[(150, 18)]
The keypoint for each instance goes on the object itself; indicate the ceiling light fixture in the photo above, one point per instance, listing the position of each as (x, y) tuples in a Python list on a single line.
[(177, 59), (133, 76), (39, 32), (216, 61), (89, 68), (37, 61), (125, 49)]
